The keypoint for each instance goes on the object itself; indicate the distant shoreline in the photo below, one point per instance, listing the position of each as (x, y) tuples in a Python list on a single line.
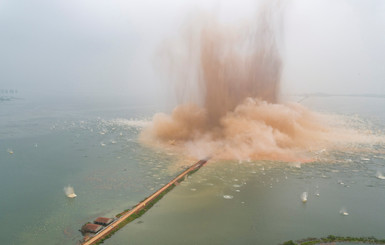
[(333, 239), (369, 95)]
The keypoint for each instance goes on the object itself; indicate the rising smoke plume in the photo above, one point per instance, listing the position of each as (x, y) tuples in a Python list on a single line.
[(227, 80)]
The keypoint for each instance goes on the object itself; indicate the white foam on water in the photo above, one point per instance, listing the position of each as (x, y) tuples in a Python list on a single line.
[(134, 122), (295, 165), (228, 197), (317, 193)]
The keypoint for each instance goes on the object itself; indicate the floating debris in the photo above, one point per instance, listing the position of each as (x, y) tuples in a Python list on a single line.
[(304, 197), (10, 151), (228, 197)]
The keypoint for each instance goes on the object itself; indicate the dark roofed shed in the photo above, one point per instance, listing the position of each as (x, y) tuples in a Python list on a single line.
[(93, 228), (103, 221)]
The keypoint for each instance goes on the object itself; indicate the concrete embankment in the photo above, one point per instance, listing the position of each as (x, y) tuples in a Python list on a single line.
[(141, 207)]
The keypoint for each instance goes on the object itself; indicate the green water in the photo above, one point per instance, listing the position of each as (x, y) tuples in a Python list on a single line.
[(265, 207), (259, 202), (87, 147), (90, 147)]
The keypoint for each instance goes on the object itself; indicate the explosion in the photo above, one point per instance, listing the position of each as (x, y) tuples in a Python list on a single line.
[(227, 80)]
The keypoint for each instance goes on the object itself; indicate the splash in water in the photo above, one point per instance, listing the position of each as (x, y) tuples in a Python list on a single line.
[(344, 212), (227, 80), (379, 175), (304, 197), (69, 191)]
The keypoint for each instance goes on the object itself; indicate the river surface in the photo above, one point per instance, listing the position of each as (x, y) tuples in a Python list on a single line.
[(94, 147)]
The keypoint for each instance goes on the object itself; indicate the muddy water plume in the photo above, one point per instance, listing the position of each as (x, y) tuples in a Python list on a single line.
[(227, 80), (217, 65)]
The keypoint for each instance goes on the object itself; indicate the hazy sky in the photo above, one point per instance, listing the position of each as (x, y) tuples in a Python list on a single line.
[(335, 46), (107, 46)]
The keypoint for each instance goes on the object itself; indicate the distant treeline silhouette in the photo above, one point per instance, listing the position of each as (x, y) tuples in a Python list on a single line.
[(8, 91)]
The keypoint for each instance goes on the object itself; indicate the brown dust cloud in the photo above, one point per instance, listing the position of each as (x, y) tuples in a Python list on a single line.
[(227, 80)]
